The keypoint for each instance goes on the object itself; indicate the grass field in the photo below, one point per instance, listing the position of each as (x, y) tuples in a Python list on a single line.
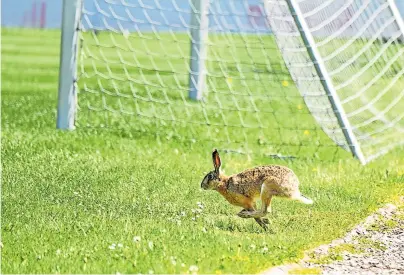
[(68, 197), (140, 82)]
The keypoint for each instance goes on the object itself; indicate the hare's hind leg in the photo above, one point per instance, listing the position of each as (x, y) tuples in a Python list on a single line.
[(264, 220), (266, 198), (262, 223), (265, 208)]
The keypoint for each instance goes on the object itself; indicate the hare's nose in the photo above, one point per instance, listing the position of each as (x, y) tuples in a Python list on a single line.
[(203, 185)]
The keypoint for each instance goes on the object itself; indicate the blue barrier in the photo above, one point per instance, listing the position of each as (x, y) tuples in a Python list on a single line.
[(163, 15), (233, 16)]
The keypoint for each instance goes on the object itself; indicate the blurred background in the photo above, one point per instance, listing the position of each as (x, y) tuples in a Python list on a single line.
[(48, 13)]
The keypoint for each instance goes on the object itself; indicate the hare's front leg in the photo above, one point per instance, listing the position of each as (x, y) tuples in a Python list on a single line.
[(266, 198), (248, 211), (262, 222)]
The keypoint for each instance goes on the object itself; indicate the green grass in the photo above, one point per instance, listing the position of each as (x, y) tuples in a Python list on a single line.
[(361, 243), (244, 112), (141, 83), (336, 253), (68, 196)]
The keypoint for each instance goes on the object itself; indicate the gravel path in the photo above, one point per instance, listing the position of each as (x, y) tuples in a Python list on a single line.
[(376, 246)]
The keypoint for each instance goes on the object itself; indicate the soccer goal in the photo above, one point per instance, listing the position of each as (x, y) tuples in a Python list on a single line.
[(285, 78)]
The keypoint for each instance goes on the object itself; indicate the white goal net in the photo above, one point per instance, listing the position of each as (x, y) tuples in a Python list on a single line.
[(359, 46), (287, 78)]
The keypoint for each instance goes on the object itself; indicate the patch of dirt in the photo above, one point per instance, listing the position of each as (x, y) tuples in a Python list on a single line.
[(375, 246)]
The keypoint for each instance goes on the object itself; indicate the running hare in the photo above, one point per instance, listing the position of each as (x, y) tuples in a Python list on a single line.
[(261, 182)]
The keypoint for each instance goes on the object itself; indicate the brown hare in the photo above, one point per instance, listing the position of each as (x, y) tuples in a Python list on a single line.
[(261, 182)]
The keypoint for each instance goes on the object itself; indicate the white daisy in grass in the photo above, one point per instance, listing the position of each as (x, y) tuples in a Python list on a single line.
[(136, 239), (193, 269), (151, 245)]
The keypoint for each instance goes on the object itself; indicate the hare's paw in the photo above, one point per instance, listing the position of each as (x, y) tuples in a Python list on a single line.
[(265, 220), (264, 226), (261, 223), (245, 214), (253, 214)]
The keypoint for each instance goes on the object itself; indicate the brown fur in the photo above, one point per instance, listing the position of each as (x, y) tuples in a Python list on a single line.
[(261, 182)]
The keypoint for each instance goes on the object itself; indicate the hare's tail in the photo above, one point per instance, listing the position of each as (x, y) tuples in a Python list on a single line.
[(303, 199)]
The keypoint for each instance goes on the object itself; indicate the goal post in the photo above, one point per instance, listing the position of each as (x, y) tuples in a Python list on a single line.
[(67, 98), (280, 78), (199, 34), (328, 86), (399, 20), (346, 58)]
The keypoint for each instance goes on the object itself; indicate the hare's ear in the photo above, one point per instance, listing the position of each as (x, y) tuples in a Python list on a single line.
[(216, 161)]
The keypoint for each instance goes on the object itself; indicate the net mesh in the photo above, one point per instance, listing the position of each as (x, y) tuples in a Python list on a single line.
[(262, 94), (361, 47)]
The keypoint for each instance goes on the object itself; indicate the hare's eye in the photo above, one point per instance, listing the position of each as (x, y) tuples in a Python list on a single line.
[(210, 176)]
